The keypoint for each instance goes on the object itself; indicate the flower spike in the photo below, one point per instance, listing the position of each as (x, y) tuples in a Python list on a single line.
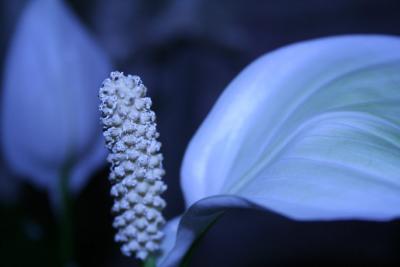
[(136, 164)]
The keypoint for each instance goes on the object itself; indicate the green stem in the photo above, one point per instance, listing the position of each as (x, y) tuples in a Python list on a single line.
[(150, 261), (65, 223)]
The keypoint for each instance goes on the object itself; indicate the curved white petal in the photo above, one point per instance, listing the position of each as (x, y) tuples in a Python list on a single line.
[(310, 130), (193, 223), (170, 230), (49, 106)]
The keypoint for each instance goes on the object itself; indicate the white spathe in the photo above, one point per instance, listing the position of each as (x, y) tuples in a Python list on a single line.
[(49, 103), (311, 131)]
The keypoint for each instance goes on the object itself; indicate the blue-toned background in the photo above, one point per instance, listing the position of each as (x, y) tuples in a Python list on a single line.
[(186, 52)]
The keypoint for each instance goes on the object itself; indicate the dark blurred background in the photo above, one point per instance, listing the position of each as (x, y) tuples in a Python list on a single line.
[(186, 52)]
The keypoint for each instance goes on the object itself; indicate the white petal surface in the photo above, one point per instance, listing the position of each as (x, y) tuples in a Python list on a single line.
[(310, 131), (170, 229), (49, 108)]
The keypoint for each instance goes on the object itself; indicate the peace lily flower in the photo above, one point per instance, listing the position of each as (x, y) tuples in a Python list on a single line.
[(49, 104), (311, 131)]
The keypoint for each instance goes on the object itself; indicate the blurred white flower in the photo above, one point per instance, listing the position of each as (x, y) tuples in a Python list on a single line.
[(311, 131), (49, 103)]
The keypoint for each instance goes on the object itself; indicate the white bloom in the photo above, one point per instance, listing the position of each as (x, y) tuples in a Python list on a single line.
[(310, 131), (49, 104), (136, 164)]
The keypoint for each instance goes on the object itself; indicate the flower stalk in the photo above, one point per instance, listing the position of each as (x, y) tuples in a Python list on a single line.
[(136, 164), (66, 246)]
